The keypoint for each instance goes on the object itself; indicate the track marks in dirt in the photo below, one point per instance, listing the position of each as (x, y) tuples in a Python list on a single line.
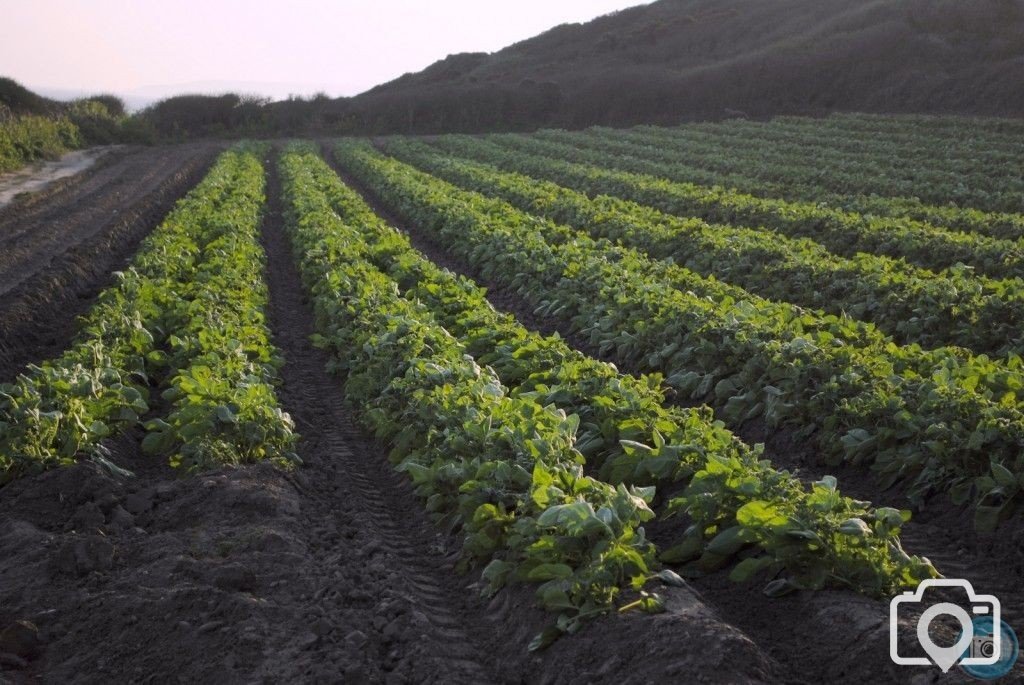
[(382, 569), (56, 255)]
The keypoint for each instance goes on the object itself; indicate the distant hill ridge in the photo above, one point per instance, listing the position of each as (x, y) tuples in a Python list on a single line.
[(689, 59), (17, 99), (662, 63)]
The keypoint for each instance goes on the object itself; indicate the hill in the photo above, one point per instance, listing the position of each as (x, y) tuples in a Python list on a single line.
[(17, 99), (690, 59)]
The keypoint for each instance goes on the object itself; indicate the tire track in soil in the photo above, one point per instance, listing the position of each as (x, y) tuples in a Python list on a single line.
[(77, 238), (400, 598), (833, 619)]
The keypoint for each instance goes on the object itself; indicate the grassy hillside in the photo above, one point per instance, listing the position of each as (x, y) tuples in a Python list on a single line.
[(34, 127), (677, 59)]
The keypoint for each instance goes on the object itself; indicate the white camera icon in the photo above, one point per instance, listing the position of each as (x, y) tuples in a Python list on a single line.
[(965, 652)]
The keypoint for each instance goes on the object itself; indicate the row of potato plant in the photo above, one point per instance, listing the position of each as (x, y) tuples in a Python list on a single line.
[(628, 434), (795, 172), (737, 506), (997, 380), (913, 305), (502, 470), (844, 233), (743, 357), (189, 305)]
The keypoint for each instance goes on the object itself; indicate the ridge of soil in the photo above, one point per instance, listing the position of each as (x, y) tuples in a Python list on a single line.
[(58, 253), (851, 629)]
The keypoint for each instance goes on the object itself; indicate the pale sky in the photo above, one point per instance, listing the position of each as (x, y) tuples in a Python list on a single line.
[(275, 48)]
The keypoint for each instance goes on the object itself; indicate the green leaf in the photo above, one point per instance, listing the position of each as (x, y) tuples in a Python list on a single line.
[(728, 542), (987, 519), (632, 447), (1003, 475), (157, 442), (550, 572), (828, 482), (225, 415), (779, 588), (689, 549), (566, 514), (855, 527), (497, 573), (671, 578), (544, 639), (553, 597), (759, 514), (157, 425), (746, 569)]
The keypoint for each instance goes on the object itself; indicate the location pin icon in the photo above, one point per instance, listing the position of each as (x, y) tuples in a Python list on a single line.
[(945, 657)]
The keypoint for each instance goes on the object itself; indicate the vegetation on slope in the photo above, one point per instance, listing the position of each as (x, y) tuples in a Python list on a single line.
[(663, 62), (693, 59), (33, 127)]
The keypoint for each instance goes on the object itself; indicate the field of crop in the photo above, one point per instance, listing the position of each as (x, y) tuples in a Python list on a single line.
[(608, 405)]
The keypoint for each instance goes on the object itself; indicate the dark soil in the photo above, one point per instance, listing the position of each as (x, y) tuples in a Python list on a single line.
[(780, 627), (58, 251)]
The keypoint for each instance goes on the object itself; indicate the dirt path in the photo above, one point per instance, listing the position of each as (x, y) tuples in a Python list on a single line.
[(58, 251), (851, 629), (39, 176)]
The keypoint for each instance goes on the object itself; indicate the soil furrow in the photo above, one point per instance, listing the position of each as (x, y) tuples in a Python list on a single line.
[(75, 217), (96, 183), (418, 612)]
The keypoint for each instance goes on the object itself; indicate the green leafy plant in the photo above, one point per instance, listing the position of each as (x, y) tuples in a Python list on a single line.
[(193, 276), (748, 357), (913, 305), (610, 414)]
